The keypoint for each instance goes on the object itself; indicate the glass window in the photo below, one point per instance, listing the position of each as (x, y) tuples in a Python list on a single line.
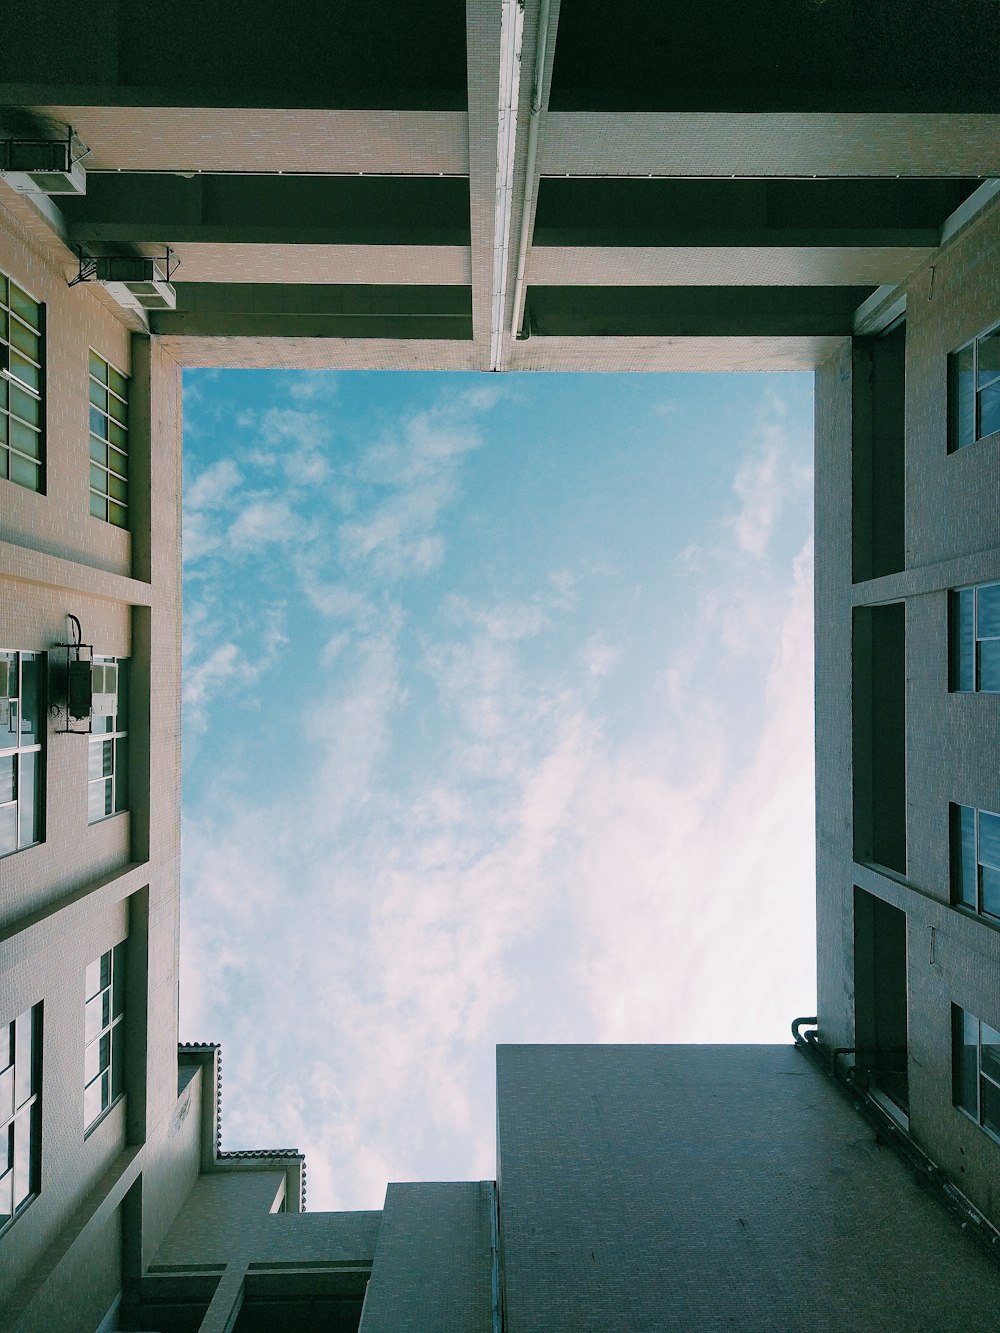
[(21, 761), (107, 771), (975, 859), (974, 638), (108, 442), (22, 349), (976, 1066), (104, 1033), (974, 390), (20, 1123)]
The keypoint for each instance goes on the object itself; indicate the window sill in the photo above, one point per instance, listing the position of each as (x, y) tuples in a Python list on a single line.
[(18, 1211), (92, 823)]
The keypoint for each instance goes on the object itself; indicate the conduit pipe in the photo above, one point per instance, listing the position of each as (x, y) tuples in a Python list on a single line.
[(529, 174)]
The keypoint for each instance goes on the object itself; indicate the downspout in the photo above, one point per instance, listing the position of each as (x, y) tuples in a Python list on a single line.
[(529, 175)]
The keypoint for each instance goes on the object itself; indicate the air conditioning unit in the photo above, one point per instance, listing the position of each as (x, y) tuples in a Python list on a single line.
[(41, 166), (104, 689), (136, 282)]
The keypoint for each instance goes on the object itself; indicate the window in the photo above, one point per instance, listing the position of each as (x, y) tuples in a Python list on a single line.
[(20, 1128), (976, 1069), (108, 442), (104, 1034), (22, 727), (974, 390), (21, 378), (975, 860), (107, 785), (974, 630)]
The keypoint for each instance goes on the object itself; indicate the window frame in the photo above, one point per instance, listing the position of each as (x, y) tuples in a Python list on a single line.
[(958, 885), (10, 380), (961, 641), (961, 1074), (117, 736), (110, 1075), (28, 1110), (17, 751), (105, 447)]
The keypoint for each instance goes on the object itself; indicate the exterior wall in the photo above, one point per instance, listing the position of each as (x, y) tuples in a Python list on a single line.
[(952, 527), (434, 1261), (86, 887), (653, 1187)]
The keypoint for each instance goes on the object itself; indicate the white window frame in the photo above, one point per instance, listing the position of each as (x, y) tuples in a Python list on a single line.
[(13, 702), (117, 738), (958, 864), (15, 417), (960, 1017), (956, 642), (104, 1052), (20, 1113), (109, 442)]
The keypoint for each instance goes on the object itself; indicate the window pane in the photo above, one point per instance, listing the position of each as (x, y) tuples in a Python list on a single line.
[(98, 424), (25, 371), (6, 1106), (23, 1135), (22, 304), (6, 1195), (98, 368), (92, 1102), (93, 1017), (118, 382), (25, 405), (118, 462), (105, 962), (991, 1106), (30, 820), (107, 759), (989, 664), (23, 1052), (25, 439), (31, 713), (989, 409), (961, 607), (117, 1060), (9, 725), (989, 838), (117, 514), (991, 890), (121, 774), (991, 1051), (93, 1058), (95, 759), (118, 999), (99, 396), (966, 1039), (98, 506), (8, 786), (92, 981), (988, 611), (25, 473), (117, 488), (98, 479), (8, 829), (24, 340), (963, 398), (118, 435), (98, 450), (963, 845), (118, 410)]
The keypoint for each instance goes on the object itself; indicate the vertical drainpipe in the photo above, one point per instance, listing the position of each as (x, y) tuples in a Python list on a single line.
[(529, 174)]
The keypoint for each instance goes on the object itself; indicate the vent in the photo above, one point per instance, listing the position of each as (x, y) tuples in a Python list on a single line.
[(42, 166)]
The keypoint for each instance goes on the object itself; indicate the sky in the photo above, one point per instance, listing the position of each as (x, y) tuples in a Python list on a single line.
[(497, 728)]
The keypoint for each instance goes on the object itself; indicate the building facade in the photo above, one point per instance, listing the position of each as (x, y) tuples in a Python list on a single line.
[(504, 187)]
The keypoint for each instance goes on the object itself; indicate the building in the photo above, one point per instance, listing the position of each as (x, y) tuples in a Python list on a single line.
[(780, 185)]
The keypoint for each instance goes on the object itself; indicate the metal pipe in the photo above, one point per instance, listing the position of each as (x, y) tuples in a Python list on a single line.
[(529, 174)]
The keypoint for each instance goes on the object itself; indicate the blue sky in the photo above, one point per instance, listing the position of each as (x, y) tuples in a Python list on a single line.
[(497, 727)]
